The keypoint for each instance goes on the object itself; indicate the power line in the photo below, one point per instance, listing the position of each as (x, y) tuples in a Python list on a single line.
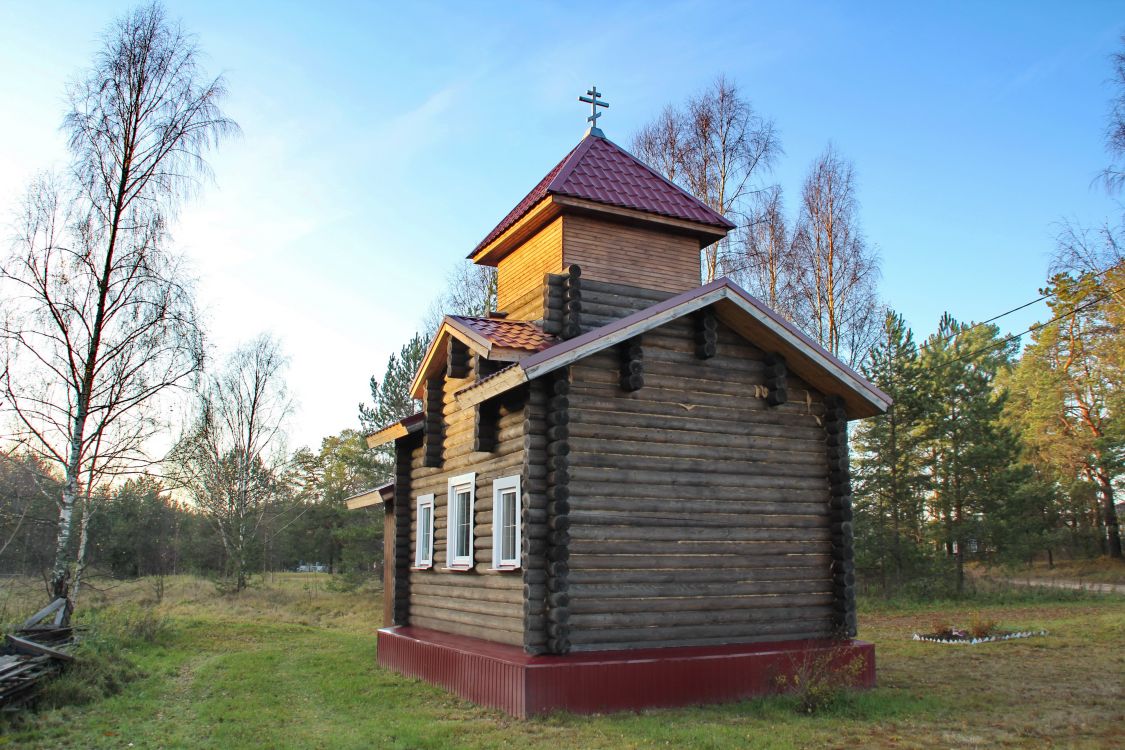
[(1035, 327), (1009, 312)]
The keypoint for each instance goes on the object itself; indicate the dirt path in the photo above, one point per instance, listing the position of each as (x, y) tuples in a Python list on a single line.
[(1101, 588)]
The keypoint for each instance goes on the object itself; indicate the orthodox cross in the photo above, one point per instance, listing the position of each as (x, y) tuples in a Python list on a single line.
[(593, 98)]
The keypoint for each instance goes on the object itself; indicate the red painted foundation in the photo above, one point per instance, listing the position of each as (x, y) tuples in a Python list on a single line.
[(504, 677)]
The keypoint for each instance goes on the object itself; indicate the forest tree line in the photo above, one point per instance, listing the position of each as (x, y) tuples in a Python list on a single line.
[(999, 447)]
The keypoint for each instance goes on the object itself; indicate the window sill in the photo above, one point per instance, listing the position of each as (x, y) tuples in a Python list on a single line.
[(460, 568), (504, 568), (422, 567)]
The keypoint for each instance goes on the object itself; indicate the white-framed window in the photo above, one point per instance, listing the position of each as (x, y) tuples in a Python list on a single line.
[(459, 530), (424, 539), (506, 523)]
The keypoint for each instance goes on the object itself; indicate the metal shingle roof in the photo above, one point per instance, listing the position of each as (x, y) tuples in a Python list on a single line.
[(599, 170), (509, 334)]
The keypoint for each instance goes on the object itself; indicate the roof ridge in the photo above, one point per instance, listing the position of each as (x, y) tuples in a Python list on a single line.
[(570, 162), (668, 182)]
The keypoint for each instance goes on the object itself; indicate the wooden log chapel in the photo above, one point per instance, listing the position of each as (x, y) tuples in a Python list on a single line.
[(624, 489)]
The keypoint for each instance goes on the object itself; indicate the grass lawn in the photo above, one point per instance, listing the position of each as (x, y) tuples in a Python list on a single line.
[(1098, 570), (291, 664)]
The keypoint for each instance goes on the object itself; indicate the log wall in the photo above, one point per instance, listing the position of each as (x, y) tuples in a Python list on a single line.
[(610, 251), (699, 513), (604, 302), (519, 283), (481, 602)]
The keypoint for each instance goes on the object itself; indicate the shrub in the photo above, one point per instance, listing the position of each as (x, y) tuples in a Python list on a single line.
[(99, 671), (820, 680), (982, 628)]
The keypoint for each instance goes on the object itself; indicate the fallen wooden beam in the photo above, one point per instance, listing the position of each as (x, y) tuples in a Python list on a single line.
[(24, 646), (43, 613)]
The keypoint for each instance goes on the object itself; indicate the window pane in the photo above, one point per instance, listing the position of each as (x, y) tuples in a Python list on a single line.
[(508, 526), (424, 532), (464, 529)]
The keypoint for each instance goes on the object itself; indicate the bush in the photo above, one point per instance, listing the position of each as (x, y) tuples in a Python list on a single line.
[(820, 680), (99, 670), (101, 667)]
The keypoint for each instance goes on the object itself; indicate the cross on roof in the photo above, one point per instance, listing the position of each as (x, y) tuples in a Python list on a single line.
[(593, 98)]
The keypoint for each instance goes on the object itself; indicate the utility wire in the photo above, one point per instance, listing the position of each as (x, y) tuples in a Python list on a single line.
[(1009, 312), (1035, 327)]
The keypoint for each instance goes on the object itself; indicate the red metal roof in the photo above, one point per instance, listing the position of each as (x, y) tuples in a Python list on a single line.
[(599, 170), (509, 334)]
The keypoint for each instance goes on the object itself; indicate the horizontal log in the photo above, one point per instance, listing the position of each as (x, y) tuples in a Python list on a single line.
[(615, 476), (507, 455), (627, 291), (507, 597), (662, 534), (697, 498), (511, 623), (487, 630), (790, 615), (714, 381), (681, 632), (700, 575), (681, 427), (775, 590), (640, 515), (650, 561), (769, 450), (593, 547), (661, 402), (419, 602), (455, 581), (712, 641)]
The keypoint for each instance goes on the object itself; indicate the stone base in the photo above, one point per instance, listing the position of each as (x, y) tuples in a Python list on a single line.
[(505, 677)]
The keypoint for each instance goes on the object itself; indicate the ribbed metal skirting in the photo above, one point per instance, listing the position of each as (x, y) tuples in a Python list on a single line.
[(505, 677)]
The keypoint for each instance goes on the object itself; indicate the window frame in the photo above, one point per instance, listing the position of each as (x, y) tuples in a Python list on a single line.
[(499, 487), (453, 561), (423, 561)]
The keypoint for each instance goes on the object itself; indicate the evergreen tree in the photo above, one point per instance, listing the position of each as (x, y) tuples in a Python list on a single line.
[(889, 474), (969, 453), (1069, 389), (391, 399)]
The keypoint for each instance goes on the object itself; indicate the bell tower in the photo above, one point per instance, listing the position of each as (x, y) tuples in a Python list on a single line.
[(608, 213)]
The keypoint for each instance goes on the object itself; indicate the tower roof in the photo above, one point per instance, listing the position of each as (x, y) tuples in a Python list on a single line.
[(599, 170)]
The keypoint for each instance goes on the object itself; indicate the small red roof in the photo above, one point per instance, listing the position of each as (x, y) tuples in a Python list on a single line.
[(599, 170), (508, 334)]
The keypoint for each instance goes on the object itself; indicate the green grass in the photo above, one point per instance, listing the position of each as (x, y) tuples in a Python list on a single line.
[(292, 665), (1097, 570)]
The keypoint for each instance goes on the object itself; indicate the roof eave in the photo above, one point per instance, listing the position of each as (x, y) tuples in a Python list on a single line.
[(538, 216), (705, 233), (395, 431), (862, 399), (378, 496)]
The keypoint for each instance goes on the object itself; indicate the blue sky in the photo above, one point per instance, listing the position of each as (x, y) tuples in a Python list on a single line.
[(382, 141)]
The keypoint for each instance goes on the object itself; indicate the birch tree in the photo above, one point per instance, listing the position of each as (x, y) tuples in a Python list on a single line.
[(231, 458), (718, 148), (1114, 173), (766, 264), (835, 270), (99, 315)]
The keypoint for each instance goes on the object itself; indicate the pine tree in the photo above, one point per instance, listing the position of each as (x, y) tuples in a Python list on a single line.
[(1069, 389), (889, 475), (968, 451), (391, 399)]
